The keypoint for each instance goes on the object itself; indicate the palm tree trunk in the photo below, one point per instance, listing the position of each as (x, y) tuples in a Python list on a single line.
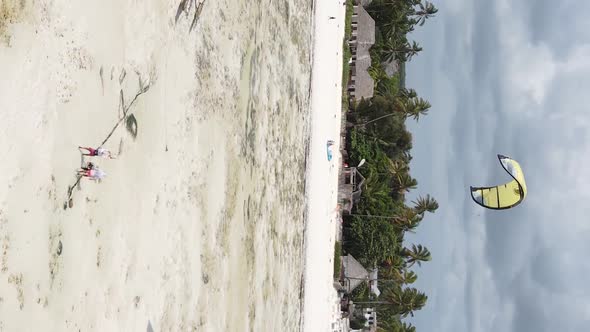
[(379, 118), (374, 302)]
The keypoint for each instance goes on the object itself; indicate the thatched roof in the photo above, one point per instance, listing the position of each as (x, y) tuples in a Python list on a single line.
[(353, 269), (365, 32), (363, 39)]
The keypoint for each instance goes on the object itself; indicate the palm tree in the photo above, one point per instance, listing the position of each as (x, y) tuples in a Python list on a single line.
[(408, 300), (405, 327), (408, 93), (395, 326), (427, 10), (415, 107), (409, 277), (393, 48), (399, 49), (405, 183), (378, 74), (403, 301), (396, 167), (393, 21), (394, 264), (376, 119), (417, 254), (425, 204), (402, 276), (375, 190), (407, 219)]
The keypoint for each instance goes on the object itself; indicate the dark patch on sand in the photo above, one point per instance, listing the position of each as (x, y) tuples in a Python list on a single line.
[(11, 12), (131, 125)]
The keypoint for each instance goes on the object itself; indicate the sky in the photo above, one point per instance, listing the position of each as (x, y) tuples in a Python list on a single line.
[(512, 78)]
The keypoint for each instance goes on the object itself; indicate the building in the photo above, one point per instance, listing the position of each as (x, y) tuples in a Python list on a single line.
[(374, 282), (354, 273), (361, 84), (350, 188)]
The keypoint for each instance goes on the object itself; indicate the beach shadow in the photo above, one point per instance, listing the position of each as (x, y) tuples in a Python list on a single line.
[(131, 125), (185, 7), (149, 327), (197, 15), (69, 202), (181, 8)]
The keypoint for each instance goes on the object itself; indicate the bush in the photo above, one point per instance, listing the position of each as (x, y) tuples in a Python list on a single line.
[(337, 259), (357, 323)]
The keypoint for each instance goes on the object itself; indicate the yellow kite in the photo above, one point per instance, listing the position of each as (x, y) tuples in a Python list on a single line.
[(506, 195)]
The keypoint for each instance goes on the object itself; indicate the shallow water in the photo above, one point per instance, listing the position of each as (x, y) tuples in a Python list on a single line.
[(253, 68)]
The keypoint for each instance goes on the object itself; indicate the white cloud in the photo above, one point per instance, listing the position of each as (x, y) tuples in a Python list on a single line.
[(528, 67)]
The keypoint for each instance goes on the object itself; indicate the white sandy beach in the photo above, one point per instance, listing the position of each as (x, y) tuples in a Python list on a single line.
[(198, 225), (322, 175)]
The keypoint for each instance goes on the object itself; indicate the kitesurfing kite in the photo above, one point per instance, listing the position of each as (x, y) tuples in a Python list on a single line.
[(506, 195)]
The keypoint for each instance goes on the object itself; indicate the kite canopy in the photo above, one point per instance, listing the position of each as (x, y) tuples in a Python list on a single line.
[(506, 195)]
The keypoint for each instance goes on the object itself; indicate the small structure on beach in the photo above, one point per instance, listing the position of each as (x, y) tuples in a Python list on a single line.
[(354, 274), (370, 316), (361, 84), (350, 189), (373, 282)]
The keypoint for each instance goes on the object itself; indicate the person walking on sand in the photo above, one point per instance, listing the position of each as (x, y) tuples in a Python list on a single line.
[(91, 171), (88, 166), (99, 152)]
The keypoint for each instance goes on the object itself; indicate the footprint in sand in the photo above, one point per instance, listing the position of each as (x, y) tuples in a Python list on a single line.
[(98, 256), (17, 280), (4, 260), (55, 250), (4, 245)]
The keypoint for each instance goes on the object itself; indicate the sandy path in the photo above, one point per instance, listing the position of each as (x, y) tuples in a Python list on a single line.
[(322, 175)]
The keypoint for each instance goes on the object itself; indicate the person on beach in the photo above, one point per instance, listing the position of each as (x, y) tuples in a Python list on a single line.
[(92, 171), (329, 149), (88, 166), (99, 152)]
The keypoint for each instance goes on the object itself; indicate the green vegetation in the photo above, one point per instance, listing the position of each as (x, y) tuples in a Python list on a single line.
[(345, 70), (357, 323), (348, 20), (374, 232), (346, 54), (337, 259)]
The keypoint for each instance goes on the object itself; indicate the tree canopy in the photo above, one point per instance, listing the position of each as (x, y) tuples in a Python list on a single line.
[(374, 232)]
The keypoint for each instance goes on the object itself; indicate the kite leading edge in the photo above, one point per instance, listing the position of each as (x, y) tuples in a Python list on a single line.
[(504, 196)]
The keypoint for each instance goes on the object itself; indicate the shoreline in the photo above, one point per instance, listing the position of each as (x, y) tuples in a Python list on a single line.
[(321, 184)]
